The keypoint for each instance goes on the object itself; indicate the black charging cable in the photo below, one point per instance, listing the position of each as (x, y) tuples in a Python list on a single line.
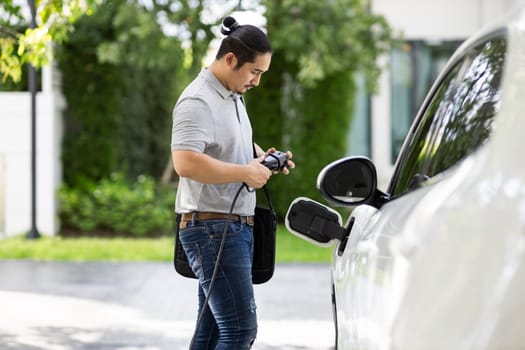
[(274, 161), (216, 268)]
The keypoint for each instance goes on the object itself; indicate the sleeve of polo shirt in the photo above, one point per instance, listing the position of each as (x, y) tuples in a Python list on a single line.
[(192, 126)]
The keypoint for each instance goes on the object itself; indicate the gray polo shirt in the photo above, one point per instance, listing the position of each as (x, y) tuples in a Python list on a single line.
[(205, 121)]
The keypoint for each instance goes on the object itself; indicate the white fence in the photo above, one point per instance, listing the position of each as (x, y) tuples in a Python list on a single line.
[(15, 158), (2, 195)]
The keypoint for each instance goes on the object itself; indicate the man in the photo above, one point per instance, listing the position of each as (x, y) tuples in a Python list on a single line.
[(213, 154)]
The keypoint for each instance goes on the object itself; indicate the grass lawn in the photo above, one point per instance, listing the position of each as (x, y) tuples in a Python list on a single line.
[(289, 249)]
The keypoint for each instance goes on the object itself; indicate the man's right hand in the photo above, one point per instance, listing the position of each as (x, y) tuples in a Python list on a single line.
[(257, 174)]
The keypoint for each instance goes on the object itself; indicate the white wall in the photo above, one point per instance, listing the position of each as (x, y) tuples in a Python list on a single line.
[(429, 19), (2, 194), (424, 20), (15, 152)]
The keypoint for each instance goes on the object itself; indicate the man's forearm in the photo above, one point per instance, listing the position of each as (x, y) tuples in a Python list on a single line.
[(205, 169)]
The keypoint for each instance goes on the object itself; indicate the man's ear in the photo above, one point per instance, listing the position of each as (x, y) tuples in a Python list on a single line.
[(230, 59)]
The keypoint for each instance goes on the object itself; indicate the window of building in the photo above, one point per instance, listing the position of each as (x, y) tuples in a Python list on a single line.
[(414, 67), (359, 137)]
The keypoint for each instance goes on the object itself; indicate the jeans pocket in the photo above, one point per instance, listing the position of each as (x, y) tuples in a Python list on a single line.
[(194, 240)]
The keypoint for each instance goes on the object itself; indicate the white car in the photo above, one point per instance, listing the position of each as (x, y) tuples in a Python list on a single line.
[(437, 261)]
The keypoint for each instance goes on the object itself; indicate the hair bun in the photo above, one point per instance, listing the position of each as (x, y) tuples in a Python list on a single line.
[(229, 24)]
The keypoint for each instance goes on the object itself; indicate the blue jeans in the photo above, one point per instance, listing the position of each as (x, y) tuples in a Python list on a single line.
[(230, 320)]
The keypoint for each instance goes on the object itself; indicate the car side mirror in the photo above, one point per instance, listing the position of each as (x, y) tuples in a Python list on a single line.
[(314, 222), (350, 181)]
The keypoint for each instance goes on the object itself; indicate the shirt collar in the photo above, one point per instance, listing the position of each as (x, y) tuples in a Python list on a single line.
[(216, 84)]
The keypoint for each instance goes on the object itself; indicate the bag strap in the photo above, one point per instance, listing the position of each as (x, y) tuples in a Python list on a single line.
[(268, 197), (267, 194)]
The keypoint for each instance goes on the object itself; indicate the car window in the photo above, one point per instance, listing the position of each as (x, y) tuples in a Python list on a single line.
[(457, 120)]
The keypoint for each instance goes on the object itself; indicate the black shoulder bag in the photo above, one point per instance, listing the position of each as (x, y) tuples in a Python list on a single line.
[(264, 239)]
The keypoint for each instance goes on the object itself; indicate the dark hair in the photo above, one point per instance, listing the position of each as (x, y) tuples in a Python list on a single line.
[(244, 41)]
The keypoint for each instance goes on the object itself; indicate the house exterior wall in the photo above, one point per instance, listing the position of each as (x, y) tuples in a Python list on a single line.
[(427, 20)]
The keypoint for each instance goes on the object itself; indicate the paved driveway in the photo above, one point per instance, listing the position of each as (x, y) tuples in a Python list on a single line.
[(147, 306)]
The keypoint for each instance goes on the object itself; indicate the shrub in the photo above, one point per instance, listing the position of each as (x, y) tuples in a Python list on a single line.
[(117, 207), (119, 76)]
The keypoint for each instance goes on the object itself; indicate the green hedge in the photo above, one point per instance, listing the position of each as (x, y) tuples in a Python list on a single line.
[(119, 77), (115, 206)]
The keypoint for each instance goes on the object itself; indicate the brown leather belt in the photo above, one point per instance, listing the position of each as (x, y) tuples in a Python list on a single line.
[(200, 216)]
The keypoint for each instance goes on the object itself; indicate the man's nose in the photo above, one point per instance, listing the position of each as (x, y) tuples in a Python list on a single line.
[(255, 81)]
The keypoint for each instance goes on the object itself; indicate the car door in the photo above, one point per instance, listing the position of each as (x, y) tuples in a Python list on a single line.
[(370, 268)]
